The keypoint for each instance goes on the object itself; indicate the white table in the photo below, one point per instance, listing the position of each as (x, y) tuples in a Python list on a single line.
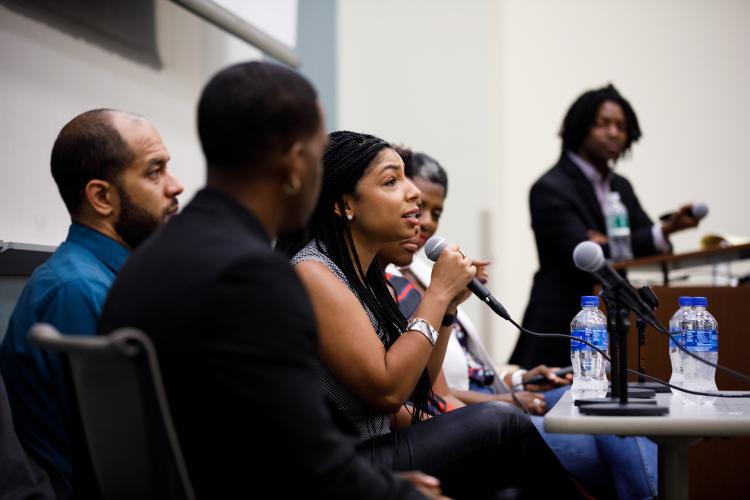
[(682, 427)]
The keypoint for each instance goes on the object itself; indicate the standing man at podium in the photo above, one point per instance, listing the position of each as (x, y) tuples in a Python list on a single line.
[(568, 206)]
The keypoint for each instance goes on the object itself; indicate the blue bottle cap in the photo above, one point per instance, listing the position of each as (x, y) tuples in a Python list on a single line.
[(590, 300), (686, 301), (700, 302)]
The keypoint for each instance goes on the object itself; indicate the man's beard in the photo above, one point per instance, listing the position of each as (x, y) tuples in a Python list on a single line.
[(134, 223)]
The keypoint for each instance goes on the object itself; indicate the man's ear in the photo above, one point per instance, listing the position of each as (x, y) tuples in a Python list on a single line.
[(295, 161), (103, 197), (293, 168)]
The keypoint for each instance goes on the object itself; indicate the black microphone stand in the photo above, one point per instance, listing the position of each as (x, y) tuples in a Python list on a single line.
[(618, 320), (636, 389), (652, 301), (618, 324), (640, 327)]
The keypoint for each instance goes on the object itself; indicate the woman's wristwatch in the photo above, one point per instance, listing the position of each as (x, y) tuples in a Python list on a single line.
[(448, 319)]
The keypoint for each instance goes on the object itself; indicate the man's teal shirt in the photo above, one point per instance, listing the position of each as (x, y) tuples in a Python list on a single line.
[(68, 291)]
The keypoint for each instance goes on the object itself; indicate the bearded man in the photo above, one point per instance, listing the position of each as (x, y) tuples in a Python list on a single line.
[(111, 170)]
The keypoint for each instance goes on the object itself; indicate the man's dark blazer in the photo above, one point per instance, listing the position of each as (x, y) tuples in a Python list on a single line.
[(563, 207), (237, 343)]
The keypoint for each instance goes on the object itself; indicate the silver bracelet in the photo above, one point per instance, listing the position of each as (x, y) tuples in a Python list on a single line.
[(423, 327)]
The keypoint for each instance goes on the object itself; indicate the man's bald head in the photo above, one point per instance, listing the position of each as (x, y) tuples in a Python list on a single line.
[(89, 147)]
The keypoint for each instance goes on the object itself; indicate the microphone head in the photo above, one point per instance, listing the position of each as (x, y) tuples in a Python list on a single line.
[(588, 256), (434, 247), (699, 210)]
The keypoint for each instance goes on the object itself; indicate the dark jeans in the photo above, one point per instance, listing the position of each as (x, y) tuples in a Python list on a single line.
[(476, 452)]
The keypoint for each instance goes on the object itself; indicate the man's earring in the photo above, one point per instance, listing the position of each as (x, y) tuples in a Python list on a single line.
[(292, 186)]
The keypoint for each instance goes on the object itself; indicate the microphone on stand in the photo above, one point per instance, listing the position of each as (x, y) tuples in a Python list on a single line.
[(588, 256), (621, 298)]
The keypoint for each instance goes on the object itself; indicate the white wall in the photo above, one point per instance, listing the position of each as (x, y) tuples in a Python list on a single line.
[(483, 86), (480, 85), (47, 77), (426, 84)]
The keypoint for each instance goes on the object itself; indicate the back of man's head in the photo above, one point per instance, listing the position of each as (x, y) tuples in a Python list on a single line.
[(88, 147), (251, 113)]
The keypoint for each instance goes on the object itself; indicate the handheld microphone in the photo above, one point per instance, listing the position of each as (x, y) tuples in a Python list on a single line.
[(588, 256), (541, 379), (435, 246), (697, 211)]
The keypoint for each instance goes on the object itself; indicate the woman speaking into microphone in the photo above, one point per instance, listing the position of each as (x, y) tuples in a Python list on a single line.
[(376, 368)]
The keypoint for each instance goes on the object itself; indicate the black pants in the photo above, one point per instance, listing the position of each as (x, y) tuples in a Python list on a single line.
[(477, 452)]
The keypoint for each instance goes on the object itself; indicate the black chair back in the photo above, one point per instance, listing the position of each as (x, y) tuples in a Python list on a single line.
[(20, 476), (124, 413)]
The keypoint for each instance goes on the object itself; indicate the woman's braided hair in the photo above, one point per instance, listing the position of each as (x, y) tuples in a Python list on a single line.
[(345, 162)]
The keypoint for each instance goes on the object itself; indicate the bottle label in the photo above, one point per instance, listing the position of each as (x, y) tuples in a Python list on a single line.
[(702, 340), (597, 336), (600, 338), (675, 334), (578, 346), (618, 224)]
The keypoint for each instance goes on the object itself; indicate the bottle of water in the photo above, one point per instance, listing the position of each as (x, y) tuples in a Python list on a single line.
[(676, 335), (618, 229), (702, 339), (589, 374)]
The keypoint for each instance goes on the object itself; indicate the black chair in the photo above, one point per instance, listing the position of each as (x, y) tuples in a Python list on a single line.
[(124, 413), (20, 476)]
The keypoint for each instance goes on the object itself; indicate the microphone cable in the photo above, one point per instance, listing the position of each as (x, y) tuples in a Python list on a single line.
[(588, 257), (633, 372), (660, 329), (436, 244)]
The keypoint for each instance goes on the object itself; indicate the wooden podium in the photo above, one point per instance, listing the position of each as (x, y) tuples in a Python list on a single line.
[(667, 263), (718, 467)]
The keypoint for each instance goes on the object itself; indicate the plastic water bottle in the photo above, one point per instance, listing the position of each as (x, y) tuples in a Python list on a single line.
[(676, 335), (618, 229), (589, 374), (702, 339)]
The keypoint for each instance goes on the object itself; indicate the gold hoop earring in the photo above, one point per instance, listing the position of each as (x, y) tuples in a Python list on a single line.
[(292, 186)]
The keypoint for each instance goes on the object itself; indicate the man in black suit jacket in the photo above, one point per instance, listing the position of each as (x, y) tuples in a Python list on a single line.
[(567, 208), (233, 328)]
